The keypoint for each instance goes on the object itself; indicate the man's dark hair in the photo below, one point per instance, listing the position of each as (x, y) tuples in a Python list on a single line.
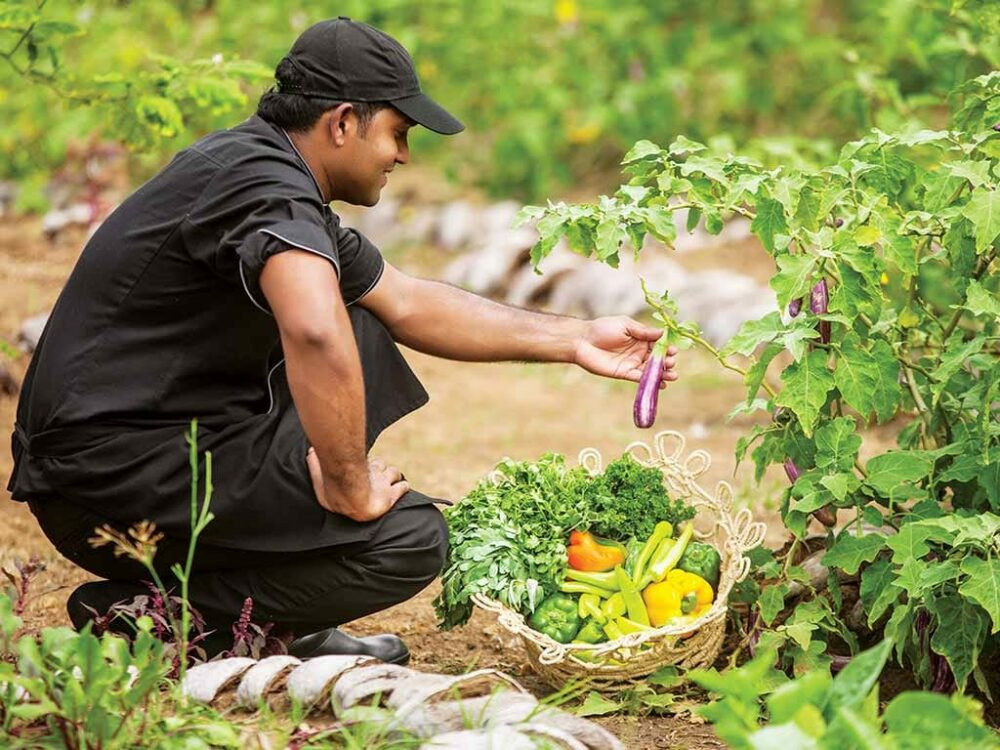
[(297, 113)]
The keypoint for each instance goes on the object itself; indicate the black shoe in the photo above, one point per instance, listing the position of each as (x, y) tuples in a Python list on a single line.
[(385, 647), (91, 602)]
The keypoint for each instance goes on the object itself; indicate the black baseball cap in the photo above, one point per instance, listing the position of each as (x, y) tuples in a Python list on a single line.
[(350, 61)]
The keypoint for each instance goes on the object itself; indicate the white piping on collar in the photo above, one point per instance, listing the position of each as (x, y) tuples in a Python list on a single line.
[(304, 164)]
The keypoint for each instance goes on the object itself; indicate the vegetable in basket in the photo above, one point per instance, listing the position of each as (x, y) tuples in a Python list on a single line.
[(703, 560), (680, 594), (557, 618), (633, 599), (590, 606), (591, 553), (667, 556), (662, 531), (591, 632)]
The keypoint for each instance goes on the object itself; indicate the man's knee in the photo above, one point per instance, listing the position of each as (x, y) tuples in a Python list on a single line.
[(412, 543)]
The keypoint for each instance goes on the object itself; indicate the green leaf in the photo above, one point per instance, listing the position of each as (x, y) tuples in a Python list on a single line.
[(661, 224), (983, 585), (918, 577), (855, 681), (841, 485), (952, 358), (794, 277), (849, 551), (753, 333), (890, 470), (769, 222), (868, 381), (596, 704), (925, 719), (850, 726), (772, 601), (758, 370), (983, 210), (878, 590), (790, 698), (976, 172), (911, 542), (642, 150), (981, 301), (806, 385), (684, 145), (959, 635), (837, 444), (781, 737)]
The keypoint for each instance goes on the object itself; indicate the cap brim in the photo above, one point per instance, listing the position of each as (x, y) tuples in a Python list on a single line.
[(425, 111)]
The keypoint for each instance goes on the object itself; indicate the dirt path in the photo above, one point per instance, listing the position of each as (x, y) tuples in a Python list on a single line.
[(478, 413)]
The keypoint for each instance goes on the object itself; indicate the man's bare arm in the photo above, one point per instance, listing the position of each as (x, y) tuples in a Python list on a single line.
[(324, 375), (445, 321)]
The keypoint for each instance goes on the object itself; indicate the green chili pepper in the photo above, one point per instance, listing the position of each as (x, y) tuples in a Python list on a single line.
[(590, 606), (613, 632), (703, 560), (614, 607), (633, 600), (666, 556), (600, 580), (575, 587), (557, 618), (662, 530), (591, 632)]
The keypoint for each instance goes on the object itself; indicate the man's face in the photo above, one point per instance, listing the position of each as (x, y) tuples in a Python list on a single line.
[(363, 163)]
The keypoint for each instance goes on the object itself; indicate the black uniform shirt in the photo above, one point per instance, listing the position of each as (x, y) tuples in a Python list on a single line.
[(163, 320)]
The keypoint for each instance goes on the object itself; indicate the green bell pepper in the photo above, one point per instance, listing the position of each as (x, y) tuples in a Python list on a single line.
[(557, 618), (591, 632), (702, 560)]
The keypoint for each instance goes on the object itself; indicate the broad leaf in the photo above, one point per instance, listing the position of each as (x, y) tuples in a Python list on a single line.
[(983, 585), (878, 590), (981, 301), (959, 635), (837, 444), (868, 381), (769, 221), (983, 210), (849, 551), (890, 470), (806, 385), (855, 681), (794, 277)]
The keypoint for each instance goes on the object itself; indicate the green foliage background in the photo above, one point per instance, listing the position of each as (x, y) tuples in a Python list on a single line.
[(553, 92)]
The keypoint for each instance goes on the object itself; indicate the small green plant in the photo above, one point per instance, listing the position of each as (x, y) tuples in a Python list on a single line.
[(759, 708)]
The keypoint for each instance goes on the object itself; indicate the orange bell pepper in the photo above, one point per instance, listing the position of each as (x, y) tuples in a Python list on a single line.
[(591, 553)]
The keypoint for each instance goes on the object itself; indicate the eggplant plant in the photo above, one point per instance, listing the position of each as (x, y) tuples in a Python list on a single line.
[(895, 243)]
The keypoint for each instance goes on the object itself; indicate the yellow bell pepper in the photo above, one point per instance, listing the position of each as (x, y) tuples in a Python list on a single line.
[(679, 594)]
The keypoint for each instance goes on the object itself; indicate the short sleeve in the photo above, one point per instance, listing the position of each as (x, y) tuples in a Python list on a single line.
[(249, 213), (361, 262)]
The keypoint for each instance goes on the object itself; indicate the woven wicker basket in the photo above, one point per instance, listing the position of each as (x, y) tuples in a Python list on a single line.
[(697, 644)]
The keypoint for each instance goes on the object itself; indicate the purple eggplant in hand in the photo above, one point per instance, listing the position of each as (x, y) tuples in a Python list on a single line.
[(646, 397), (819, 300)]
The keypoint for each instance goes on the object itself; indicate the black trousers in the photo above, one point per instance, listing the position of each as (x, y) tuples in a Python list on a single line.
[(300, 591)]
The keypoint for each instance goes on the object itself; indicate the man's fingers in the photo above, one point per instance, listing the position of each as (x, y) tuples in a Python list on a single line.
[(642, 332), (401, 488)]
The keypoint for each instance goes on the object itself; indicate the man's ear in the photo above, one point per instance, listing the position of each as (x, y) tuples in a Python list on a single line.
[(339, 123)]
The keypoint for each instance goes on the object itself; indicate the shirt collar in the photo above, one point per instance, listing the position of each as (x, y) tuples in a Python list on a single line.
[(304, 164)]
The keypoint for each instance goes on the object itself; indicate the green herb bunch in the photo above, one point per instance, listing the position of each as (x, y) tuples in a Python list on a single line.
[(509, 534)]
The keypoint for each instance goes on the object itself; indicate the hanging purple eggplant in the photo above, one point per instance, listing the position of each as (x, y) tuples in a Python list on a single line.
[(795, 307), (648, 393), (791, 470), (819, 300)]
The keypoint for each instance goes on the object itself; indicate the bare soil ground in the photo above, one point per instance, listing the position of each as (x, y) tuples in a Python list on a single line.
[(478, 414)]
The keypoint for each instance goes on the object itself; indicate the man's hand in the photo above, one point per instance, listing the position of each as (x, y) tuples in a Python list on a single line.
[(617, 347), (386, 486)]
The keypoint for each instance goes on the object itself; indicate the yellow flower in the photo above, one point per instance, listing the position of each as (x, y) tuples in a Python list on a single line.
[(567, 12)]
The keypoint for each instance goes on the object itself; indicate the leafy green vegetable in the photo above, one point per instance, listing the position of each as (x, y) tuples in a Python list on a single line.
[(509, 534)]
